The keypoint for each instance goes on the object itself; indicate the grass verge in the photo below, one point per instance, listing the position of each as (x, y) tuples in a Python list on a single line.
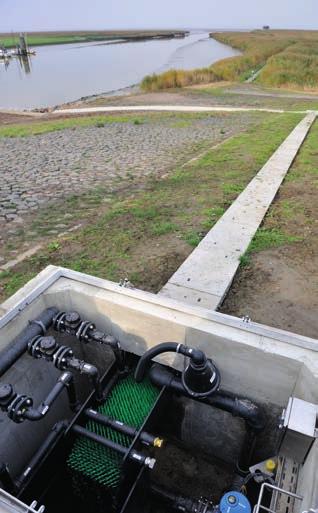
[(43, 127), (146, 235), (293, 216), (182, 120)]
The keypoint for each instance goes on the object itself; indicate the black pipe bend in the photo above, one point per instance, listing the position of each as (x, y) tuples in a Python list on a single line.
[(34, 414), (237, 406), (197, 356)]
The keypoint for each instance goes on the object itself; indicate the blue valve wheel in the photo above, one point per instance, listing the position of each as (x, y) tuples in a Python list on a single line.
[(235, 502)]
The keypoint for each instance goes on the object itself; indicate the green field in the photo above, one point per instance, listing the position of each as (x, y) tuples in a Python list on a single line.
[(55, 38)]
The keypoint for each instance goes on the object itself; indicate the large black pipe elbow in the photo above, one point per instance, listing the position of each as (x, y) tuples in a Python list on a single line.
[(237, 406), (19, 345), (197, 356), (92, 372)]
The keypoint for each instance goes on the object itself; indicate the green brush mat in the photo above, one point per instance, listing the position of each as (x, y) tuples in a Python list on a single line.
[(129, 402)]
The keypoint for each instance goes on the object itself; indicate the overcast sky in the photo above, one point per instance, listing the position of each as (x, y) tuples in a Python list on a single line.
[(109, 14)]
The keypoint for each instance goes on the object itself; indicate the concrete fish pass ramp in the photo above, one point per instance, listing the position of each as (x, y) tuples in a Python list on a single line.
[(205, 277)]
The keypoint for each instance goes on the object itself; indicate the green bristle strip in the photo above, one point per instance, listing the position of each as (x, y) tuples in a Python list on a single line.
[(129, 402)]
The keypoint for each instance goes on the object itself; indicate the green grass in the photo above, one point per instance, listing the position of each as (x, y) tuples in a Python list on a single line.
[(145, 235), (100, 121), (38, 128), (55, 38), (163, 227), (266, 238), (233, 96), (193, 238)]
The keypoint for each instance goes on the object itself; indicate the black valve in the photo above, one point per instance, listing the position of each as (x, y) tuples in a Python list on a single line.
[(72, 319), (12, 403), (67, 322), (18, 407), (42, 347), (85, 331), (63, 359)]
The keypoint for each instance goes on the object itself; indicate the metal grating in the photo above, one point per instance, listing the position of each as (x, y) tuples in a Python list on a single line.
[(130, 403)]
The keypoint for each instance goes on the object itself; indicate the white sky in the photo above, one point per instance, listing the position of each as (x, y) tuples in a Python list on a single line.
[(111, 14)]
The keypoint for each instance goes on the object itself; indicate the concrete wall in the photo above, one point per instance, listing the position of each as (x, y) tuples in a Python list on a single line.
[(263, 363)]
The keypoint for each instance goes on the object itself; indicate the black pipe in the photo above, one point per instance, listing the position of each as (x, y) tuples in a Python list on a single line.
[(89, 370), (181, 503), (71, 394), (105, 420), (41, 454), (136, 456), (65, 380), (100, 439), (244, 461), (238, 407), (197, 356), (19, 345), (6, 479)]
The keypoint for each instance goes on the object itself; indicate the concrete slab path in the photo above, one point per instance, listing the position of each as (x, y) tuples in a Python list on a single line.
[(205, 277), (168, 108)]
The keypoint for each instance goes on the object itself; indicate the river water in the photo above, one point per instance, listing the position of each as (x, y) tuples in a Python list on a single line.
[(62, 73)]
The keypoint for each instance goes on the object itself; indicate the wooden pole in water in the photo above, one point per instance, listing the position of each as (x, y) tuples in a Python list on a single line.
[(23, 46)]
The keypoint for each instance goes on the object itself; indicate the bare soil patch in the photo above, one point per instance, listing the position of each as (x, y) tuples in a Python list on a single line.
[(279, 286)]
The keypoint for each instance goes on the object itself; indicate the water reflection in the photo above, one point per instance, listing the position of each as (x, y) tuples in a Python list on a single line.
[(24, 62), (61, 73)]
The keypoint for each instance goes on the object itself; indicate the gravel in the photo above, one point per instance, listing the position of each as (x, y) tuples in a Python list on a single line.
[(36, 170)]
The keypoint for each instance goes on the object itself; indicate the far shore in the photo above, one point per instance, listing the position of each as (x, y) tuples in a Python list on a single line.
[(9, 40)]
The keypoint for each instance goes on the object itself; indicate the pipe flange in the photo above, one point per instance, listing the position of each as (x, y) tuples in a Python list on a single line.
[(82, 333), (59, 322), (33, 347), (61, 357), (17, 408)]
